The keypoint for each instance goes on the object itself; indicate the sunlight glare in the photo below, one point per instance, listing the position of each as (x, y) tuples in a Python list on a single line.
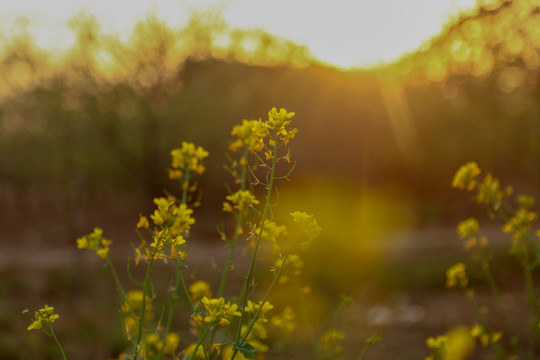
[(342, 33)]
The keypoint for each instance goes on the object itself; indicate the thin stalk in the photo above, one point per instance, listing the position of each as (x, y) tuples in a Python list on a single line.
[(51, 331), (255, 250), (119, 286), (531, 300), (495, 291), (143, 305), (238, 226)]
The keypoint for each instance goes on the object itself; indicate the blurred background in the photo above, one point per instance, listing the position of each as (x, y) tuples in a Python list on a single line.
[(86, 129)]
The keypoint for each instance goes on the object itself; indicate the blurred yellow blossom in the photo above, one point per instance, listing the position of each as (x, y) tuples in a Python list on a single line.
[(246, 137), (199, 289), (469, 227), (465, 177), (520, 223), (285, 320), (96, 242), (485, 336), (143, 222), (330, 340), (456, 275), (489, 192), (308, 226), (239, 201)]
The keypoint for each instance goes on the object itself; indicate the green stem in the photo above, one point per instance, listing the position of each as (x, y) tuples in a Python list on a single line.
[(119, 286), (495, 291), (255, 250), (146, 283), (199, 342), (237, 228), (51, 331), (531, 300)]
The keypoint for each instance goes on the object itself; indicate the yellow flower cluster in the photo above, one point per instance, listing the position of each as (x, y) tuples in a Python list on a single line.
[(485, 336), (45, 316), (520, 223), (469, 229), (96, 242), (465, 177), (438, 342), (293, 266), (275, 129), (174, 221), (153, 344), (309, 229), (187, 157), (330, 340), (175, 217), (253, 308), (246, 137), (239, 201), (271, 232), (456, 275), (488, 192), (285, 320), (199, 289), (219, 311)]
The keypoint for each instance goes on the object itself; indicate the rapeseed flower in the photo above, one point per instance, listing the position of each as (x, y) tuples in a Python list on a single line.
[(246, 137), (199, 289), (43, 317), (239, 201), (96, 242), (219, 311), (520, 223), (285, 320), (187, 157), (456, 275), (330, 340), (485, 336), (253, 308), (469, 227), (309, 229), (489, 192), (465, 177)]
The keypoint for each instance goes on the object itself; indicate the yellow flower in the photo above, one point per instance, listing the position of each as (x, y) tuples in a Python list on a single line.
[(285, 320), (187, 157), (437, 342), (465, 177), (489, 192), (96, 242), (219, 311), (253, 308), (246, 136), (520, 223), (199, 289), (44, 316), (308, 226), (239, 201), (468, 227), (330, 340), (143, 222), (456, 275)]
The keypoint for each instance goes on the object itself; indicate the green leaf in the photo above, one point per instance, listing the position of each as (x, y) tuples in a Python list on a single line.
[(246, 349)]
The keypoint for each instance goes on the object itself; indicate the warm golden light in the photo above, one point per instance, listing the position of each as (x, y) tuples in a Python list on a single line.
[(342, 33)]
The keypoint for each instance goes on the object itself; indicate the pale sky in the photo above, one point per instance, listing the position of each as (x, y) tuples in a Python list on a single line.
[(344, 33)]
